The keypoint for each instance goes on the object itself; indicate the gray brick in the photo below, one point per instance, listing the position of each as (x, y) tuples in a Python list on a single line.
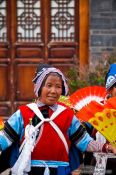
[(101, 5), (114, 5), (101, 40), (102, 27), (100, 23)]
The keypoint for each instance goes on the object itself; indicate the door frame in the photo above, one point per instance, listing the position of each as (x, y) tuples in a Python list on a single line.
[(84, 33)]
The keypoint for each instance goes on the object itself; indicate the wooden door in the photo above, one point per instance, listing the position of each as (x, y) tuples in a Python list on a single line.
[(33, 32)]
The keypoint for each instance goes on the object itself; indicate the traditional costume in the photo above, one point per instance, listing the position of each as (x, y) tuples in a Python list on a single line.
[(110, 81), (50, 142)]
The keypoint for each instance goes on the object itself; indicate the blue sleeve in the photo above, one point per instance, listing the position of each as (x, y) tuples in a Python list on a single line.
[(16, 122), (84, 139)]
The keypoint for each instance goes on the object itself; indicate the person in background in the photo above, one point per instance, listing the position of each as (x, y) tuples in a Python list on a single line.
[(110, 81), (48, 131), (110, 85)]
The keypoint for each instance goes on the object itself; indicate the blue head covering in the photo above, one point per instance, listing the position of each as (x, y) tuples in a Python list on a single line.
[(111, 76)]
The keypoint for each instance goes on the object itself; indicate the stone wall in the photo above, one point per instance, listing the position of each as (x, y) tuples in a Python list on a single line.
[(102, 28)]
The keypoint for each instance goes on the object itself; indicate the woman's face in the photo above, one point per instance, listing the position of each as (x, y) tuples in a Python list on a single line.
[(51, 90)]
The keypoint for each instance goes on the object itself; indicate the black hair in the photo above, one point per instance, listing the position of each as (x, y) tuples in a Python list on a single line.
[(114, 85)]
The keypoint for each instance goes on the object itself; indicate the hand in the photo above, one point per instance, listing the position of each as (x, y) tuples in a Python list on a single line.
[(111, 148)]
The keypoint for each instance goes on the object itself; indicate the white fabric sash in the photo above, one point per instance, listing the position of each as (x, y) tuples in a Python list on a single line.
[(60, 108)]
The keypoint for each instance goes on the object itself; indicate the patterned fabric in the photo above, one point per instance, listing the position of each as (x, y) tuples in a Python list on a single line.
[(8, 136), (111, 76), (95, 146), (13, 136), (55, 169), (78, 135)]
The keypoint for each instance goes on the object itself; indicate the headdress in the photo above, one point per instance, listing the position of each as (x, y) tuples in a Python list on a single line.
[(42, 71), (110, 78)]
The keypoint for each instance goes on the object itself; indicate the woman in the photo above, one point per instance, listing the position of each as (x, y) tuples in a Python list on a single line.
[(49, 132)]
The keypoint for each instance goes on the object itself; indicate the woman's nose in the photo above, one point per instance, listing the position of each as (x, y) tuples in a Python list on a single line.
[(53, 89)]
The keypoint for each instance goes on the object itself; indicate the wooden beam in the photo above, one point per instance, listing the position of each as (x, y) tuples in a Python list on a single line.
[(84, 32)]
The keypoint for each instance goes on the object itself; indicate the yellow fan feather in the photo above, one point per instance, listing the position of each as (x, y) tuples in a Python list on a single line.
[(105, 123)]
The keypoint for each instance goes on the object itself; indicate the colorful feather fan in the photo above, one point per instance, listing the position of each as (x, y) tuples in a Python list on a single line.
[(105, 123), (84, 96), (110, 103), (102, 117), (88, 111)]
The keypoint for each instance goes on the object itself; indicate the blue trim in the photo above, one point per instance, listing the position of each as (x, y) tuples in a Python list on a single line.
[(49, 163)]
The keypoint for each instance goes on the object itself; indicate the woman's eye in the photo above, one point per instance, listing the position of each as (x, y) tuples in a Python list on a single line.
[(48, 85), (56, 86), (59, 87)]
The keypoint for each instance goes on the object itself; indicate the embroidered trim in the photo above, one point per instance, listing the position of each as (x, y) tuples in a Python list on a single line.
[(13, 136), (78, 134)]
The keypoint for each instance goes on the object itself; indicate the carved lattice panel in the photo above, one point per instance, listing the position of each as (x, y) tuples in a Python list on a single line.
[(34, 32), (3, 28), (28, 21), (62, 20)]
